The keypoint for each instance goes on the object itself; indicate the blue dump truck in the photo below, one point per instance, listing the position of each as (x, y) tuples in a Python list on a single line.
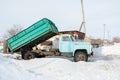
[(39, 32)]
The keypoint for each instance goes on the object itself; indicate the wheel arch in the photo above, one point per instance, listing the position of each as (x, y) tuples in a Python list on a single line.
[(82, 50)]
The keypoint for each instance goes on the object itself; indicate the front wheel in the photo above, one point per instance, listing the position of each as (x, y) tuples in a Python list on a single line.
[(80, 56)]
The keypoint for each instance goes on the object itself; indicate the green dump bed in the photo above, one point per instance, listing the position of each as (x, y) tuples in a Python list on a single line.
[(33, 35)]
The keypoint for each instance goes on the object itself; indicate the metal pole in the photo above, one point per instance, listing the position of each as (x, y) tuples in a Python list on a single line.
[(108, 35), (83, 17), (108, 38), (104, 34)]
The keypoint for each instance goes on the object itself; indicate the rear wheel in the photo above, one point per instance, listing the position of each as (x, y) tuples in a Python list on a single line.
[(28, 55), (80, 56)]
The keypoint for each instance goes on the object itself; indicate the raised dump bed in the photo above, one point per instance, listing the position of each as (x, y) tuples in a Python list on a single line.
[(33, 35)]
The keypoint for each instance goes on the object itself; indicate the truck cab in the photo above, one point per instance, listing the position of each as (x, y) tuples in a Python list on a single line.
[(79, 49)]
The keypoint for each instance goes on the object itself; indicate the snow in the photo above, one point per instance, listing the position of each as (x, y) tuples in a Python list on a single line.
[(104, 65), (10, 71), (108, 50)]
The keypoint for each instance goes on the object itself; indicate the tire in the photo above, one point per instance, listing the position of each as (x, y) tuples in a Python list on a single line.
[(28, 55), (80, 56)]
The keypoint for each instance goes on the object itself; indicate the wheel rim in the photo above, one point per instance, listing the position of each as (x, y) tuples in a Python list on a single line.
[(80, 57), (29, 57)]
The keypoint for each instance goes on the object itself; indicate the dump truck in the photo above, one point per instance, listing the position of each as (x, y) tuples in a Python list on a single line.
[(41, 31)]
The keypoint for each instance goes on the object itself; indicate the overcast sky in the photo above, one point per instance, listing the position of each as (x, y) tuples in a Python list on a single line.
[(66, 14)]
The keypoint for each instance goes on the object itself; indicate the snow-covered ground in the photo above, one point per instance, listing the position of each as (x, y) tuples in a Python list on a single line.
[(104, 65)]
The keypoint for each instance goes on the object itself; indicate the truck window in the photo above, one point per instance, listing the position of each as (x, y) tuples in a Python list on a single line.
[(72, 38), (65, 38)]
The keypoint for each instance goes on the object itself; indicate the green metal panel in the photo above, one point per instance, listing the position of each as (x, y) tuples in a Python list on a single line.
[(33, 34)]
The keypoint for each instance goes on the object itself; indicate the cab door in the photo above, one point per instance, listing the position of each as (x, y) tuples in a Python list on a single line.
[(65, 44)]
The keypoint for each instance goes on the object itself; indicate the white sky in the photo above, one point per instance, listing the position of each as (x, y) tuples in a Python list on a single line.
[(66, 14)]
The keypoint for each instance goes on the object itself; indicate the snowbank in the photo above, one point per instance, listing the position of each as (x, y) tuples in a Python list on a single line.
[(63, 69), (108, 50), (10, 71), (100, 67)]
